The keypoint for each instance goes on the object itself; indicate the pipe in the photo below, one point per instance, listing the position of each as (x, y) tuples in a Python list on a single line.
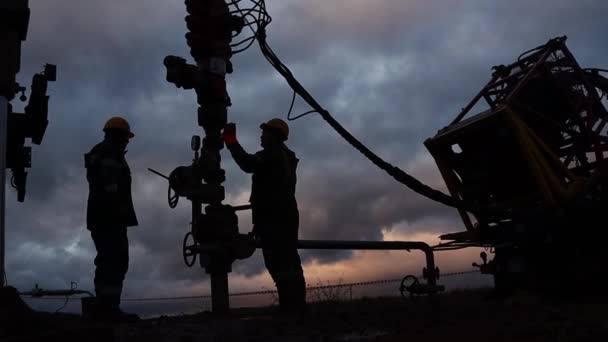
[(3, 142), (242, 207), (42, 293), (431, 273)]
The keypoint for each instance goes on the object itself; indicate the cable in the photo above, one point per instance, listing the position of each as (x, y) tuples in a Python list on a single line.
[(530, 51), (250, 21), (395, 172), (302, 115), (67, 299), (293, 100), (252, 40)]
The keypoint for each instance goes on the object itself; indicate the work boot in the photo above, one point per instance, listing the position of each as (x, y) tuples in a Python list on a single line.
[(106, 310), (292, 297), (120, 316), (114, 316)]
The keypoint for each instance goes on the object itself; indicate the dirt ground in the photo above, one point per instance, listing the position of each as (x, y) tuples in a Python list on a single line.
[(459, 316)]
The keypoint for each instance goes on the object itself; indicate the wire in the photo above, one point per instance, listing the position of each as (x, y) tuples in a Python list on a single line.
[(293, 100), (302, 115), (73, 286), (530, 51), (264, 292), (251, 21), (395, 172), (67, 299)]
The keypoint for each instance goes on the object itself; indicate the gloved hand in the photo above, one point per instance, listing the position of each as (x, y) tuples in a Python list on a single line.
[(229, 134)]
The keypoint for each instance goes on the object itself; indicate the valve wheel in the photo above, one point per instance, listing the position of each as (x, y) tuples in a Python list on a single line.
[(189, 251), (172, 197), (408, 283)]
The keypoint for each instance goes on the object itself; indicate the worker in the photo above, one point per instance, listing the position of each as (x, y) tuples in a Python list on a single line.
[(109, 212), (274, 208)]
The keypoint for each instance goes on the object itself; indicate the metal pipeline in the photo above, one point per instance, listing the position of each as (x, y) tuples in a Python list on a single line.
[(431, 273)]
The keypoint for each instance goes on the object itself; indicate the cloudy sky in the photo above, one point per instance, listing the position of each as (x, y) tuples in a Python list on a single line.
[(392, 71)]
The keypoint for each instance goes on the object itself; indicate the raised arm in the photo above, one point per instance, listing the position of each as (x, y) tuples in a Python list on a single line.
[(247, 162)]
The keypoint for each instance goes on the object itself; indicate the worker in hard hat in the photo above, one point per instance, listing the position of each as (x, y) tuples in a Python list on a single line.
[(274, 208), (109, 212)]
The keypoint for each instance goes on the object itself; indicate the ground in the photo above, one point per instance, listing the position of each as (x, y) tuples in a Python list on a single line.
[(458, 316)]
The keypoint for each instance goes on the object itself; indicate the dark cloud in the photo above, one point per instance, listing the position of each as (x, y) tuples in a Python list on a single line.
[(392, 72)]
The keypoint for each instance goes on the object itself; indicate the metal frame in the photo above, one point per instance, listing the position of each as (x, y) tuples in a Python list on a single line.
[(3, 136), (549, 144)]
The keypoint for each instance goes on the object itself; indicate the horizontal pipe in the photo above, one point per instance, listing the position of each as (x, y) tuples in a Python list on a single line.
[(354, 245), (377, 245), (362, 245), (242, 207), (62, 293)]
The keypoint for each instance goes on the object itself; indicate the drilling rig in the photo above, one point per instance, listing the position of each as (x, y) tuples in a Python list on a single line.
[(537, 158)]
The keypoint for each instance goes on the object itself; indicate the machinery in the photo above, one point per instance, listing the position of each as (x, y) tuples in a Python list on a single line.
[(528, 175), (534, 165), (214, 236), (15, 127), (32, 124)]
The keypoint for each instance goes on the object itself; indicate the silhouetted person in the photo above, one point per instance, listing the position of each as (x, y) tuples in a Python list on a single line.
[(109, 212), (274, 208)]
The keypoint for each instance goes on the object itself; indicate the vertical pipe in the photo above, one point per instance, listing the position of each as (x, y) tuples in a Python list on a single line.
[(3, 142), (220, 302), (430, 266)]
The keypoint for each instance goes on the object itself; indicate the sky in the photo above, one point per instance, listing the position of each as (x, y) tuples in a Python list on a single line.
[(392, 71)]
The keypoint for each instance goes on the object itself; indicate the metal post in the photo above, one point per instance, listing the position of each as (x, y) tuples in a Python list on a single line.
[(220, 302), (3, 141)]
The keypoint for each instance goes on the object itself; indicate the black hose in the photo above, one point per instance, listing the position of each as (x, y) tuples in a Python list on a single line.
[(395, 172)]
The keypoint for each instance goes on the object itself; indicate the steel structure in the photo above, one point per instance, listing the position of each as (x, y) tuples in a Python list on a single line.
[(3, 122), (211, 26), (14, 20), (15, 127), (534, 163), (214, 235)]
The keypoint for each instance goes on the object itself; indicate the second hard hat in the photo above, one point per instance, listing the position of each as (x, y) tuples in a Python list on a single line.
[(278, 125)]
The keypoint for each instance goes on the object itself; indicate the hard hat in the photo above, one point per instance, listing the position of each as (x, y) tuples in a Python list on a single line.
[(118, 123), (278, 125)]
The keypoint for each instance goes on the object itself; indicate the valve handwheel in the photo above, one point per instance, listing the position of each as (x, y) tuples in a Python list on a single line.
[(408, 283), (172, 197), (189, 251)]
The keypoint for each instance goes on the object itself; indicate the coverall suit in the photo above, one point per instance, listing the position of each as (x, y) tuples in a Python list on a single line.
[(109, 212), (276, 217)]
